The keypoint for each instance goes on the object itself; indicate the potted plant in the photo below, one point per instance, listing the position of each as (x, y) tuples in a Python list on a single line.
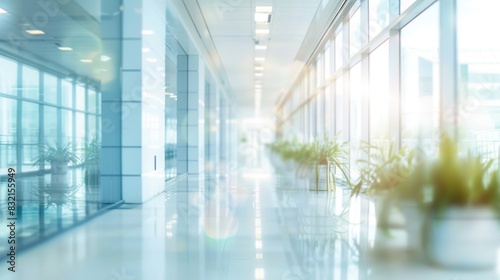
[(58, 156), (462, 226), (326, 154), (92, 173), (386, 170)]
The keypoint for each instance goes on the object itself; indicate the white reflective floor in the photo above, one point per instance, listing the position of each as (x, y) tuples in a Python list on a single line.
[(253, 225)]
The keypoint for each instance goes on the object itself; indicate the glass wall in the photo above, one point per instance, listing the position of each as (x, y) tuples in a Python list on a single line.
[(383, 86), (50, 84), (479, 75)]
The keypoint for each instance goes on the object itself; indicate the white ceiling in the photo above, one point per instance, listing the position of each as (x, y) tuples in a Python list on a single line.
[(233, 32)]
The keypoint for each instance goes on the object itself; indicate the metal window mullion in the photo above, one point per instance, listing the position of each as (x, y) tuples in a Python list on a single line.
[(395, 113), (448, 68), (19, 124)]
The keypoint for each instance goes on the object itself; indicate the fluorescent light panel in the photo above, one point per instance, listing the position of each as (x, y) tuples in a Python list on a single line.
[(261, 17), (65, 49), (259, 74), (147, 32), (35, 31), (259, 68), (86, 60), (264, 9), (260, 47)]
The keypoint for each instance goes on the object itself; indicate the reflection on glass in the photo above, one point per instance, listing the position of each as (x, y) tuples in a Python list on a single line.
[(379, 95), (379, 16), (479, 73), (420, 78)]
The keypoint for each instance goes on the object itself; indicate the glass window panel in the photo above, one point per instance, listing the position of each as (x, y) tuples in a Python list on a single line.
[(99, 103), (479, 73), (8, 76), (312, 79), (420, 79), (30, 133), (339, 110), (355, 32), (92, 128), (8, 132), (339, 50), (329, 109), (50, 125), (50, 89), (328, 63), (80, 129), (92, 101), (31, 83), (320, 99), (355, 121), (379, 96), (404, 4), (320, 71), (80, 98), (67, 93), (67, 126), (379, 16)]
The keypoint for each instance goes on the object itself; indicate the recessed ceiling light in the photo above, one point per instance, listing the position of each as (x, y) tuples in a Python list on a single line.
[(146, 50), (258, 86), (151, 60), (65, 49), (35, 31), (260, 59), (262, 31), (264, 9), (2, 11), (86, 60), (147, 32), (259, 74), (105, 58), (260, 47), (259, 68)]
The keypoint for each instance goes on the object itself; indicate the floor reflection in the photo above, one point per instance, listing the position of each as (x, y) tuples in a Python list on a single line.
[(251, 224), (43, 210)]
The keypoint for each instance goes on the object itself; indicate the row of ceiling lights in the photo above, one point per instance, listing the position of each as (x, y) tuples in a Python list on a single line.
[(262, 19), (104, 58)]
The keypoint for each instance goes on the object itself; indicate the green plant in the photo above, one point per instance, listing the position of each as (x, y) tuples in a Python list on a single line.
[(91, 152), (387, 169), (57, 153), (463, 180), (329, 151)]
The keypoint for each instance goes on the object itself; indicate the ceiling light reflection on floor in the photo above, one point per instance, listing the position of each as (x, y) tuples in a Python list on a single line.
[(259, 273)]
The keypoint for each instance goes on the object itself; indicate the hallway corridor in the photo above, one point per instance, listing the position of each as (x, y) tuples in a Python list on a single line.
[(254, 224)]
